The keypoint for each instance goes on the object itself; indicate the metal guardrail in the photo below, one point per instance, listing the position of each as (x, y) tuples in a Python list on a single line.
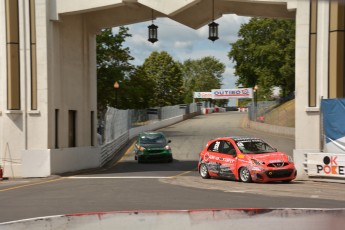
[(110, 149)]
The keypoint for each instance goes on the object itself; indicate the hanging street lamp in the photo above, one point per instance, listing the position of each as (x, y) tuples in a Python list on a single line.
[(153, 32), (213, 31), (213, 27)]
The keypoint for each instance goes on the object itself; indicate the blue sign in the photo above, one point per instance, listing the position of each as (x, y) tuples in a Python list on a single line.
[(333, 111)]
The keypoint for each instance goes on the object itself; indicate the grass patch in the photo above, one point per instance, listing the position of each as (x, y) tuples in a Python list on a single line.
[(283, 115)]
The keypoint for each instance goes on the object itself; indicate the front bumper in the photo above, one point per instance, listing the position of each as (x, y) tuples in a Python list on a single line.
[(269, 175), (155, 157)]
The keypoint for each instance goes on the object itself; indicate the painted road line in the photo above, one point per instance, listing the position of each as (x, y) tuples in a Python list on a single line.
[(125, 155), (29, 185), (184, 173)]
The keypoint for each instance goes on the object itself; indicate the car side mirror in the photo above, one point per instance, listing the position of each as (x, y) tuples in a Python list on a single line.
[(169, 141)]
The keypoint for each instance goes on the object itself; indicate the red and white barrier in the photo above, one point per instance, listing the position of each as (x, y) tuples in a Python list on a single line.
[(207, 110), (253, 219), (243, 109)]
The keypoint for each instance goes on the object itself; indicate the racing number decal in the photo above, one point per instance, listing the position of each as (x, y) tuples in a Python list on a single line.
[(216, 147)]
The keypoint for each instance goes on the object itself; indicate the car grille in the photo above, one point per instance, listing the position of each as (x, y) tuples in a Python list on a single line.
[(157, 157), (279, 173), (154, 151), (277, 165)]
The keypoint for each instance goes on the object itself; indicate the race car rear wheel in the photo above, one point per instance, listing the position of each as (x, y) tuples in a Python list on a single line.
[(245, 175), (204, 171)]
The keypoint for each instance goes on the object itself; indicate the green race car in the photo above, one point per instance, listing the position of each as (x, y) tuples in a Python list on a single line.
[(152, 147)]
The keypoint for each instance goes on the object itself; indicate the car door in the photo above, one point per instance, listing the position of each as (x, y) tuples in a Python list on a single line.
[(221, 159), (227, 160), (211, 158)]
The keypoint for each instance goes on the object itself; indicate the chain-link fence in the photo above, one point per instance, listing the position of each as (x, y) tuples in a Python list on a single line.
[(260, 108), (273, 112), (116, 124)]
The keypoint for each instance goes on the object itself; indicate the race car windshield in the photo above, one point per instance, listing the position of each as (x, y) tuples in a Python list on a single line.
[(254, 147), (152, 139)]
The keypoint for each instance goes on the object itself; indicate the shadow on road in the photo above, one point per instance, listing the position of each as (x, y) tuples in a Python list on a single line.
[(135, 169)]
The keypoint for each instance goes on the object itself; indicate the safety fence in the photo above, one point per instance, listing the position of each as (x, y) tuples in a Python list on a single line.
[(118, 127), (260, 108), (272, 111)]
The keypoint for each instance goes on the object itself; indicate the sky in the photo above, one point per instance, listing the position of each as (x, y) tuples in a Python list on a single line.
[(182, 42)]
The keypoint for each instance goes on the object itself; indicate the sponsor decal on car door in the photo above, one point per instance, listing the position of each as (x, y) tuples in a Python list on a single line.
[(220, 162)]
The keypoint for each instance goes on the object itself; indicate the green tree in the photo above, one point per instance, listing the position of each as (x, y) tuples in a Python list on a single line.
[(264, 55), (135, 91), (167, 77), (112, 65), (201, 75)]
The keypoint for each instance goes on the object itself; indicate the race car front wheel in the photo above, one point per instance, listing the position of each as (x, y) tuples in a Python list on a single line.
[(245, 175), (204, 171)]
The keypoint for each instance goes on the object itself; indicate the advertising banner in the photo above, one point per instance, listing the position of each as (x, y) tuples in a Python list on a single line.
[(203, 95), (326, 164), (232, 93), (333, 112), (330, 163)]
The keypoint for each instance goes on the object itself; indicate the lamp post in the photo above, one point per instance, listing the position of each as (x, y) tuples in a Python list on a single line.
[(255, 101), (116, 87), (255, 94)]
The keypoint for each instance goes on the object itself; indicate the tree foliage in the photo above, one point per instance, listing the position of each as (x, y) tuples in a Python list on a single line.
[(264, 55), (112, 65), (160, 81), (201, 75), (136, 91), (161, 69)]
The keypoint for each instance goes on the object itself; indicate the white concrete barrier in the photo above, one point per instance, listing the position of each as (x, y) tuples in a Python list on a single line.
[(282, 219), (242, 109), (43, 163), (275, 129)]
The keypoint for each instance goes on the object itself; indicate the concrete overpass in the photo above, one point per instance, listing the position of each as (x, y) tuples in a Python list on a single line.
[(48, 101)]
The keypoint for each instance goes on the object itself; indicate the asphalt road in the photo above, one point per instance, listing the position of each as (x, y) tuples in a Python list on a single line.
[(126, 185)]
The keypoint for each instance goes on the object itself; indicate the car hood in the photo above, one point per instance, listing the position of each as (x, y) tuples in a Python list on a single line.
[(268, 158), (153, 146)]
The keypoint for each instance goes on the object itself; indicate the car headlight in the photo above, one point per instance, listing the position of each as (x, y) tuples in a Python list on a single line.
[(167, 147), (141, 148), (290, 159), (256, 162)]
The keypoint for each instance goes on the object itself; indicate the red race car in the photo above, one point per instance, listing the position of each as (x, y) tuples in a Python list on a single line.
[(245, 159)]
